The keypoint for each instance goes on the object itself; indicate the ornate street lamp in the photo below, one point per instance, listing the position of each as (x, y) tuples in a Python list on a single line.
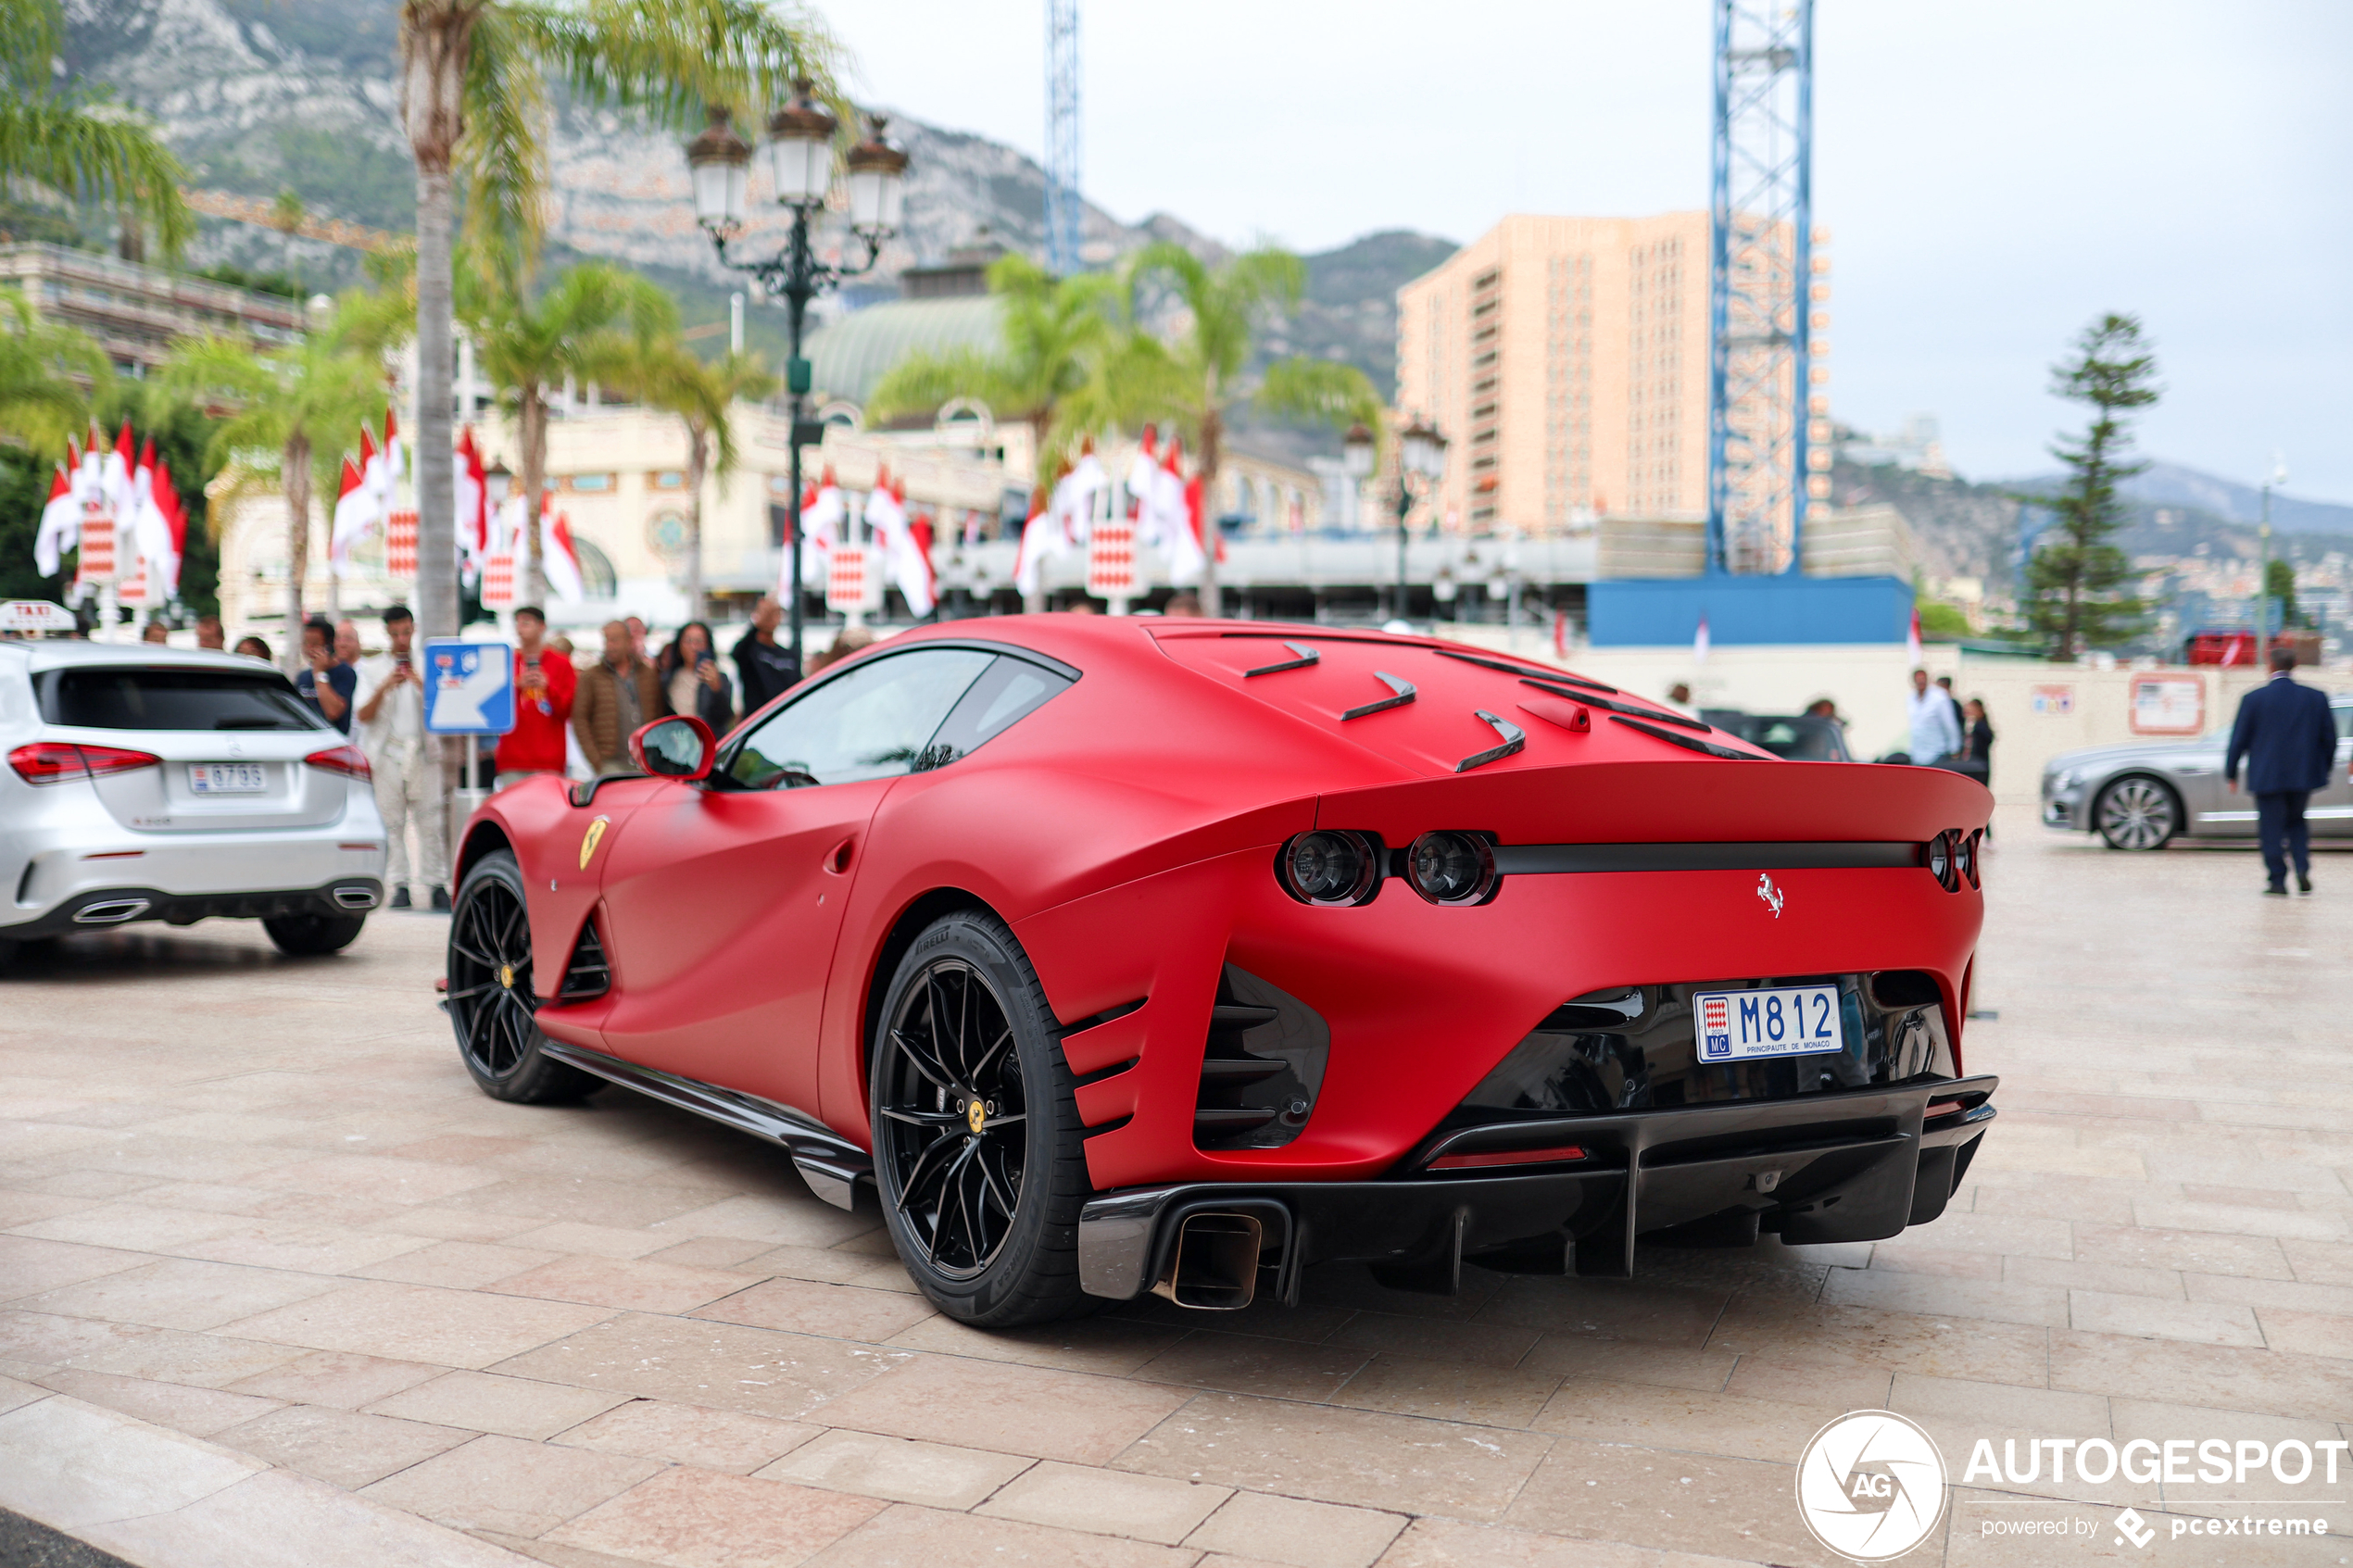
[(800, 154), (1421, 455)]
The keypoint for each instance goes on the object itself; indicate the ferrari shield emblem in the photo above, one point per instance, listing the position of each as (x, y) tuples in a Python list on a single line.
[(975, 1115), (588, 841)]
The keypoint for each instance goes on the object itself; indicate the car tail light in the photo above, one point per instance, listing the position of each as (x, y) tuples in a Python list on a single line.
[(1329, 868), (1965, 852), (1940, 857), (49, 761), (347, 761), (1451, 867), (1506, 1157)]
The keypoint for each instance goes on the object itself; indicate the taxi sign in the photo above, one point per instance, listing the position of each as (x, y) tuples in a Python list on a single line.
[(469, 686), (35, 615)]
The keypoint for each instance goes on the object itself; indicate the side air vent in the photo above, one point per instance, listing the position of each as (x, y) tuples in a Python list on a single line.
[(588, 975), (1261, 1066)]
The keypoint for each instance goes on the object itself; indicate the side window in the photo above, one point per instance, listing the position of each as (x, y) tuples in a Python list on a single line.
[(1010, 691), (873, 723)]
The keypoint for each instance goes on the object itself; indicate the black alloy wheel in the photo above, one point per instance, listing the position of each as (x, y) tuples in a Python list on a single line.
[(977, 1143), (491, 1000)]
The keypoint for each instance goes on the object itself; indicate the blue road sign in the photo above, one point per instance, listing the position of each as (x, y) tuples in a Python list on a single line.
[(470, 688)]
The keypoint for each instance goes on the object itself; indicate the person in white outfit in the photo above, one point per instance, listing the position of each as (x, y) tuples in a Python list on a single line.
[(1936, 734), (391, 710)]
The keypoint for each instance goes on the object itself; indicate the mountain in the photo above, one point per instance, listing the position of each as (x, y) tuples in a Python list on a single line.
[(258, 96), (1971, 529), (2172, 485)]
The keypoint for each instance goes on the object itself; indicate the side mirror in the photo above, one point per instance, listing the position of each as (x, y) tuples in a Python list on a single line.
[(677, 747)]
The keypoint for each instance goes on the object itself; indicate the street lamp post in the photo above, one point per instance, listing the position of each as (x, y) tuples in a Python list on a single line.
[(2275, 474), (800, 148), (1421, 455)]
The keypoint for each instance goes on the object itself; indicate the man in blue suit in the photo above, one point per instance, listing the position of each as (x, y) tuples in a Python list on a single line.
[(2285, 733)]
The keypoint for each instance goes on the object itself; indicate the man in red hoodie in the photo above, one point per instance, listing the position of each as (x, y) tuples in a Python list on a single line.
[(544, 684)]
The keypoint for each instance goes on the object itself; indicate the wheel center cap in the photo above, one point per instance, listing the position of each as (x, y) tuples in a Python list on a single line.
[(976, 1115), (507, 975)]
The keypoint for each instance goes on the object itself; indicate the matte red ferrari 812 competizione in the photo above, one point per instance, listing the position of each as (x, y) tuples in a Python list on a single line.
[(1124, 955)]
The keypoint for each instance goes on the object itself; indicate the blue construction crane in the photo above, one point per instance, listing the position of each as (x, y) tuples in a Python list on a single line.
[(1063, 210), (1764, 432)]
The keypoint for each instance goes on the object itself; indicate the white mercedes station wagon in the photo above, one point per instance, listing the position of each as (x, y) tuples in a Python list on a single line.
[(150, 783)]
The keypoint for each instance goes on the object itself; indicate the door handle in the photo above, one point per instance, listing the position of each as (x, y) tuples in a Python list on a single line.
[(838, 857)]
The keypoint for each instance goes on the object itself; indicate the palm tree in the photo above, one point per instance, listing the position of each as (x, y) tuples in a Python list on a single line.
[(1195, 375), (588, 325), (42, 370), (1056, 334), (292, 412), (474, 96), (74, 142), (702, 394)]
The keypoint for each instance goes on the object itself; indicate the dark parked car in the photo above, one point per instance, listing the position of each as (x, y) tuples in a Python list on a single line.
[(1800, 738)]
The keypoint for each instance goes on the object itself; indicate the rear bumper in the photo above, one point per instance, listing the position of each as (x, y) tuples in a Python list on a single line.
[(1855, 1166), (52, 868), (96, 908)]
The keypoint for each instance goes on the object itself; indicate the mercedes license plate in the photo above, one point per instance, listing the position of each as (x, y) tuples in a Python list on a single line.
[(226, 777), (1784, 1021)]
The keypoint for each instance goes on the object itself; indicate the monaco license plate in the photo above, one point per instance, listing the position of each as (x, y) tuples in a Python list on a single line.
[(226, 777), (1784, 1021)]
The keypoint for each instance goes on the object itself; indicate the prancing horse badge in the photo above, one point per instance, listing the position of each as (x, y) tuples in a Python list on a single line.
[(1774, 897), (588, 841)]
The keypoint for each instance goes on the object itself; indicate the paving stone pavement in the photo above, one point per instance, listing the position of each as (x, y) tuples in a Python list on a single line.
[(257, 1202)]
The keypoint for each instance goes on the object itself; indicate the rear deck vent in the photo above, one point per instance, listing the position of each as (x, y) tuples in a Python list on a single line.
[(588, 975)]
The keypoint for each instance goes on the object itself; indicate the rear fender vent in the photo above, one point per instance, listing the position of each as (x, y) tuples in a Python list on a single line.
[(1261, 1067), (587, 976)]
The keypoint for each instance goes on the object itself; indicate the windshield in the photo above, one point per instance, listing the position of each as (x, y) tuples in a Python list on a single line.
[(106, 698)]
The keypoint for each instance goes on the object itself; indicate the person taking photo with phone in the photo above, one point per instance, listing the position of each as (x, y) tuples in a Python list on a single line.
[(692, 681), (545, 682)]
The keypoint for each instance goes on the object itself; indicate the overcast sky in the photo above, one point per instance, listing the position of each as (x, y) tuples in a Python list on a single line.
[(1994, 175)]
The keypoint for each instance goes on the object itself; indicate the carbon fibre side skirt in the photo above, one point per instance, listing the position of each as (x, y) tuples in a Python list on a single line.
[(831, 1164)]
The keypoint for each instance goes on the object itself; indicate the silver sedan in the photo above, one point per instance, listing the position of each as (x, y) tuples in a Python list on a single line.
[(2140, 794), (148, 783)]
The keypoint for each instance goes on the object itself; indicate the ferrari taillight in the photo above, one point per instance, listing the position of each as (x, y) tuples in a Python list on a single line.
[(347, 761), (1329, 867), (49, 761)]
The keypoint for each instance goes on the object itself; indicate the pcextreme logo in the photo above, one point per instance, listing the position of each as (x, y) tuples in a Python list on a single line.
[(1870, 1485)]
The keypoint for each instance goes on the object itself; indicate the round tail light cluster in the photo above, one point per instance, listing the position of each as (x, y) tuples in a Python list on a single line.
[(1451, 868), (1328, 868), (1333, 869), (1952, 857)]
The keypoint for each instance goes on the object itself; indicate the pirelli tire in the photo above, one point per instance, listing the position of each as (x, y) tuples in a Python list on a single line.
[(979, 1155), (491, 998)]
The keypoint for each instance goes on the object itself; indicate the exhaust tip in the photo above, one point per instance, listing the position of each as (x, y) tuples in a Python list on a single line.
[(355, 897), (110, 912), (1213, 1266)]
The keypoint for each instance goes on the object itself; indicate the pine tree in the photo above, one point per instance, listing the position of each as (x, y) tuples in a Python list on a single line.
[(2077, 579)]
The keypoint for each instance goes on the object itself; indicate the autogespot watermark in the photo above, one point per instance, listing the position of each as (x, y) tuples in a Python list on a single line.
[(1871, 1485)]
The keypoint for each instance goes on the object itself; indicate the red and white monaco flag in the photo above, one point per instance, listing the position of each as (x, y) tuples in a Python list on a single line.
[(60, 525), (355, 515), (474, 503), (1912, 639), (559, 562)]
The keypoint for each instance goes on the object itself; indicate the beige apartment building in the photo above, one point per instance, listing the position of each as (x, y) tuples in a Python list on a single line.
[(1564, 360)]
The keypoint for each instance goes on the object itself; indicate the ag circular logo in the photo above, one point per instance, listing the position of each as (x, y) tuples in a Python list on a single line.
[(1870, 1485)]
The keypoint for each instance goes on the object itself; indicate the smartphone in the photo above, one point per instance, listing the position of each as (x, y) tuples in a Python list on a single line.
[(705, 657)]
